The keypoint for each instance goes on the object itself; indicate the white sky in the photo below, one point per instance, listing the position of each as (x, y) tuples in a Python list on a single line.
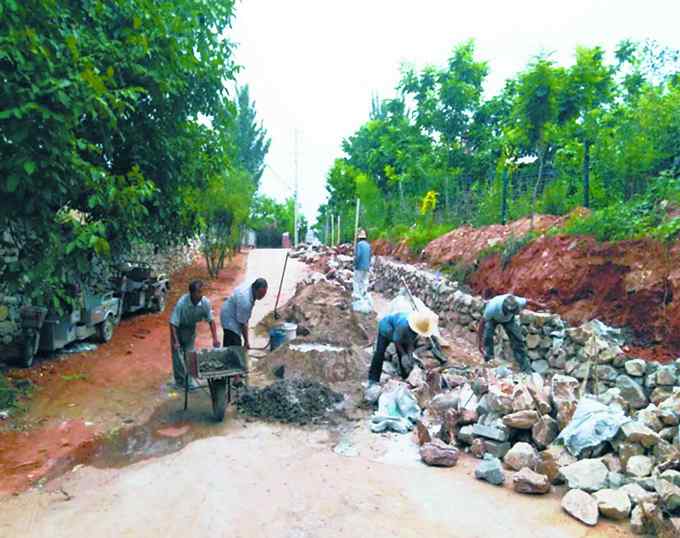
[(312, 65)]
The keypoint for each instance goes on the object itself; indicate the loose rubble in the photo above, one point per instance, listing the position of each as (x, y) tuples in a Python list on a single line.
[(294, 400)]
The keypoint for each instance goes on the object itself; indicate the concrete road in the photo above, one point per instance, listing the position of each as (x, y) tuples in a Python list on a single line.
[(251, 479)]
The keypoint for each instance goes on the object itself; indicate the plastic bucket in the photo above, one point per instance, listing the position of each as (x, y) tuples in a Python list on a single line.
[(291, 331), (277, 337)]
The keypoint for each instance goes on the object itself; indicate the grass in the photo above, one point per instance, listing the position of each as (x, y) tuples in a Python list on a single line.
[(74, 377)]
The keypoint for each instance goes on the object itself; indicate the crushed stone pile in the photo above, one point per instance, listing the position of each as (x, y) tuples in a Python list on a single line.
[(295, 401)]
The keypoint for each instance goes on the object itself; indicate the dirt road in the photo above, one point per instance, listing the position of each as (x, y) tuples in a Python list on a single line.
[(180, 474)]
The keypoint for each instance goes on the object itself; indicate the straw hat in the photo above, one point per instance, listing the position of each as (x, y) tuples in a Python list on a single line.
[(422, 323), (361, 234)]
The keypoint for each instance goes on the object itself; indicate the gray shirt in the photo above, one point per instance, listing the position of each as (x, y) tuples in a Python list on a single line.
[(236, 310), (494, 308), (187, 314)]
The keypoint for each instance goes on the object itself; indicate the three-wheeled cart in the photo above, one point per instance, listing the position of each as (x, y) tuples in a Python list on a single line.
[(218, 367)]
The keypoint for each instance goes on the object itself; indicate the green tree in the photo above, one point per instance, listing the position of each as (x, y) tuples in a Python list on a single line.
[(252, 142)]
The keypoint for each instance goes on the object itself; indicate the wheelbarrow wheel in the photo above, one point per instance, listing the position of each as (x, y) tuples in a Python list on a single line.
[(218, 394)]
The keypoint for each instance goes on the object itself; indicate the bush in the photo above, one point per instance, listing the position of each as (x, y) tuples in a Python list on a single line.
[(8, 394), (643, 216), (417, 238)]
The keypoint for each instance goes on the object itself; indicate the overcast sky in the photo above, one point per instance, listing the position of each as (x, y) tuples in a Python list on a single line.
[(312, 65)]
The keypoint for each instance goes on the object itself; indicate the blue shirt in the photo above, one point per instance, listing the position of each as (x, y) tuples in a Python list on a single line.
[(395, 328), (494, 308), (362, 256)]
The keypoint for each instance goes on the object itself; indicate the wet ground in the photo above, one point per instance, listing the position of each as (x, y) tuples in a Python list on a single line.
[(155, 470)]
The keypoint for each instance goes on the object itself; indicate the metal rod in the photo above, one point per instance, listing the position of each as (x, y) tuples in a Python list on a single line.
[(278, 295)]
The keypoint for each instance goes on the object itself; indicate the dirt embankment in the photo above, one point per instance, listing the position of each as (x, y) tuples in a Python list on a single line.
[(633, 284), (465, 243)]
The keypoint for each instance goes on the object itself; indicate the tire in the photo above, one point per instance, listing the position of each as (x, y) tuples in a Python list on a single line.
[(29, 348), (159, 304), (218, 393), (105, 330)]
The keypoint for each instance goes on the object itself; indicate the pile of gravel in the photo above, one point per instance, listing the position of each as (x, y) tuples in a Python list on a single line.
[(296, 400)]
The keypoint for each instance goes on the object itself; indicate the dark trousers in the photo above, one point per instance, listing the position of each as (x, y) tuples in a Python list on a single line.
[(230, 338), (375, 370), (514, 332)]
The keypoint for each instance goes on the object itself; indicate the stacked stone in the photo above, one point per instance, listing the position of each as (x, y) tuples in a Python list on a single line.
[(98, 280)]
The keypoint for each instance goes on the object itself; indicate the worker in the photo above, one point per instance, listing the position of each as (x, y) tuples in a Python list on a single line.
[(191, 308), (236, 311), (362, 263), (503, 310), (401, 329)]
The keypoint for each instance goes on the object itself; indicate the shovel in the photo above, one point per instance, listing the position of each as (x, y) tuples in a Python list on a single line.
[(436, 350), (278, 295)]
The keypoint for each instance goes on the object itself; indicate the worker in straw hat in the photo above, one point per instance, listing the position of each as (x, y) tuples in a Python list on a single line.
[(401, 329)]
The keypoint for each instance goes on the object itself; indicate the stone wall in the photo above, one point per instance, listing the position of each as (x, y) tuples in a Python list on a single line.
[(591, 349), (166, 261)]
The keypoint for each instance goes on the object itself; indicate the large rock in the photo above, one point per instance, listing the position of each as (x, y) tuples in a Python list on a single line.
[(635, 432), (439, 454), (528, 481), (649, 416), (638, 494), (672, 476), (563, 391), (667, 375), (521, 420), (521, 455), (669, 494), (582, 506), (491, 471), (614, 504), (499, 399), (495, 433), (639, 466), (544, 431), (465, 435), (631, 392), (522, 400), (588, 475), (607, 373), (635, 367)]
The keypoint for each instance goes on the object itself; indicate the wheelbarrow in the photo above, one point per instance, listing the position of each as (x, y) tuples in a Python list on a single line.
[(218, 367)]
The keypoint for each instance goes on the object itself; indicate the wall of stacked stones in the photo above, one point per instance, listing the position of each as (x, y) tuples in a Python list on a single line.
[(166, 261), (591, 349)]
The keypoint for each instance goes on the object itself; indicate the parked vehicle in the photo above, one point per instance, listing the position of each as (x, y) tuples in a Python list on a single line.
[(139, 289), (48, 331)]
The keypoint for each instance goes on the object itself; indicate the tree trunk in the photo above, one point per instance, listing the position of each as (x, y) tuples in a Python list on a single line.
[(446, 194), (504, 198), (586, 173), (539, 180)]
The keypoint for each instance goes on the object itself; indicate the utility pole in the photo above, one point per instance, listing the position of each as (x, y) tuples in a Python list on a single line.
[(338, 229), (332, 231), (295, 208)]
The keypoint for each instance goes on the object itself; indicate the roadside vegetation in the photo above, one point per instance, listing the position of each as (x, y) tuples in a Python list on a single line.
[(600, 133)]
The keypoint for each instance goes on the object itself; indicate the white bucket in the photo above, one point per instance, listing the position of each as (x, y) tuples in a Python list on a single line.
[(291, 331)]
